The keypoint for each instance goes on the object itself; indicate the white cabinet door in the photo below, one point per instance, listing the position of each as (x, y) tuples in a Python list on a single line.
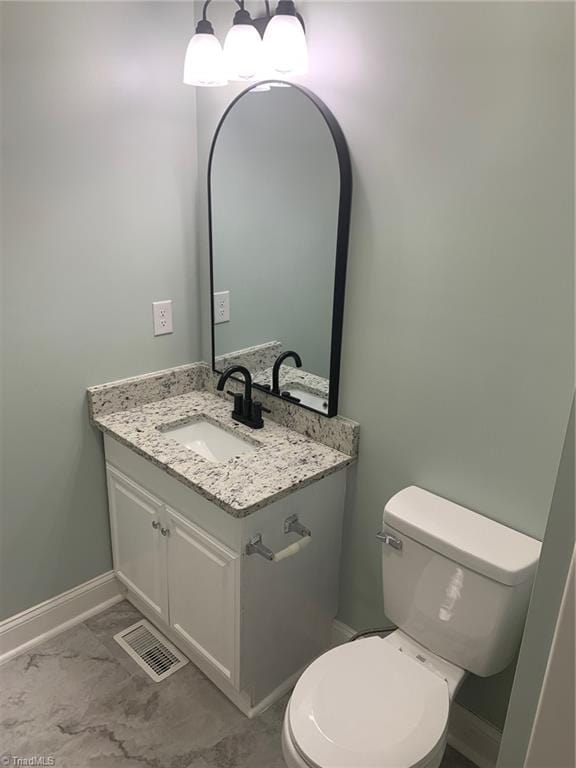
[(139, 548), (203, 587)]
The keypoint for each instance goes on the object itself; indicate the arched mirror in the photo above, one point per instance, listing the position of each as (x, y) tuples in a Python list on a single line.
[(279, 187)]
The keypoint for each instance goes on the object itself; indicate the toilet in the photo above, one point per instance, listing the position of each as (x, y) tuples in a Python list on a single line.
[(457, 586)]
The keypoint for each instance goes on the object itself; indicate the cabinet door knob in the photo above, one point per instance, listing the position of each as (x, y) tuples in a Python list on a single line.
[(164, 531), (155, 524)]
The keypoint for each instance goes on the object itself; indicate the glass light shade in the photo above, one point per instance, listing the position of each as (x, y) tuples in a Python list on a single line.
[(204, 61), (243, 52), (285, 45)]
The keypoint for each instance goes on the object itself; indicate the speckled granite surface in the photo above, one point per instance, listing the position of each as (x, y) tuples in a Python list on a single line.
[(256, 358), (290, 376), (124, 394), (282, 460), (338, 432)]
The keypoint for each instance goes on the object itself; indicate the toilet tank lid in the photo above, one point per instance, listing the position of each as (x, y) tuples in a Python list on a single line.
[(467, 537)]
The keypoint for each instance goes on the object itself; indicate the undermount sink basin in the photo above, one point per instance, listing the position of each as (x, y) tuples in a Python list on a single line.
[(209, 440), (309, 398)]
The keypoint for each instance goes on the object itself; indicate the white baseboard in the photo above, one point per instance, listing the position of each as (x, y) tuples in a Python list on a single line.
[(33, 626), (473, 737)]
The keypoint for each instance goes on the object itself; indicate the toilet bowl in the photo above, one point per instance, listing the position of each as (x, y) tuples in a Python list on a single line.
[(457, 585), (373, 703)]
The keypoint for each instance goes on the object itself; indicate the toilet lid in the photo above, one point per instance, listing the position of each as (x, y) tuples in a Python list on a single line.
[(368, 705)]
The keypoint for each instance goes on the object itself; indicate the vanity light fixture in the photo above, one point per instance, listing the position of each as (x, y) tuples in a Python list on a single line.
[(243, 47), (204, 60), (246, 56), (285, 42)]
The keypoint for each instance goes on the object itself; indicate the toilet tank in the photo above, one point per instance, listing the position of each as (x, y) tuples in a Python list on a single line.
[(456, 581)]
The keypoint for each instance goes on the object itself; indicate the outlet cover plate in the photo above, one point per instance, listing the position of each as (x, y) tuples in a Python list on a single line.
[(221, 307), (162, 315)]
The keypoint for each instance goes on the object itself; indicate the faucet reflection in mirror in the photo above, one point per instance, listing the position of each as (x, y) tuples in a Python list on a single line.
[(253, 48)]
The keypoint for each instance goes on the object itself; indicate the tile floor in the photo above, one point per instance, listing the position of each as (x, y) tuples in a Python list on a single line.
[(82, 701)]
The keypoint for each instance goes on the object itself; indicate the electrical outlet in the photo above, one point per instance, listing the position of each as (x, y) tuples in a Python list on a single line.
[(162, 314), (221, 307)]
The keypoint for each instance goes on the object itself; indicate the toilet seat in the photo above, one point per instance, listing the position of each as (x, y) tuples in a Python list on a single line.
[(368, 705)]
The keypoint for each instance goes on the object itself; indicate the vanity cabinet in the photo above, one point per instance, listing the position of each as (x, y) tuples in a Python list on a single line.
[(202, 581), (250, 624), (186, 577), (139, 549)]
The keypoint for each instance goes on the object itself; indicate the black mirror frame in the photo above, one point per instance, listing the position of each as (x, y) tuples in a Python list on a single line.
[(342, 237)]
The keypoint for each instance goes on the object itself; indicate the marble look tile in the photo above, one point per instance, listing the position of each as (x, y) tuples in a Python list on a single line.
[(157, 724), (107, 624), (282, 460), (69, 699), (259, 747), (111, 621), (59, 679)]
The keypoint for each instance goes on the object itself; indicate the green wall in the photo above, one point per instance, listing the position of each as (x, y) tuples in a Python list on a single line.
[(458, 331), (98, 183)]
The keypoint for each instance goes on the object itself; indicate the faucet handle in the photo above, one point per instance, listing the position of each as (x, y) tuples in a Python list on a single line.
[(238, 402), (257, 422)]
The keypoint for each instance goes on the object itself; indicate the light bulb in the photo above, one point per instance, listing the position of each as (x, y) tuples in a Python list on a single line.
[(285, 45), (204, 60), (243, 49)]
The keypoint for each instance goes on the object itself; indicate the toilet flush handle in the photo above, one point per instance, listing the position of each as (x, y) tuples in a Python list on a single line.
[(387, 538)]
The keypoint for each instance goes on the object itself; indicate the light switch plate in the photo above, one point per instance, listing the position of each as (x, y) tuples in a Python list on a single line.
[(162, 314), (221, 307)]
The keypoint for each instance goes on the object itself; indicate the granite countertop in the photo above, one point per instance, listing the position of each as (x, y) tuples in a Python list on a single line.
[(290, 376), (282, 460)]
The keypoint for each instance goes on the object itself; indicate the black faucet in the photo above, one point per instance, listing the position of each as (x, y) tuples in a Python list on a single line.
[(246, 410), (276, 369)]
